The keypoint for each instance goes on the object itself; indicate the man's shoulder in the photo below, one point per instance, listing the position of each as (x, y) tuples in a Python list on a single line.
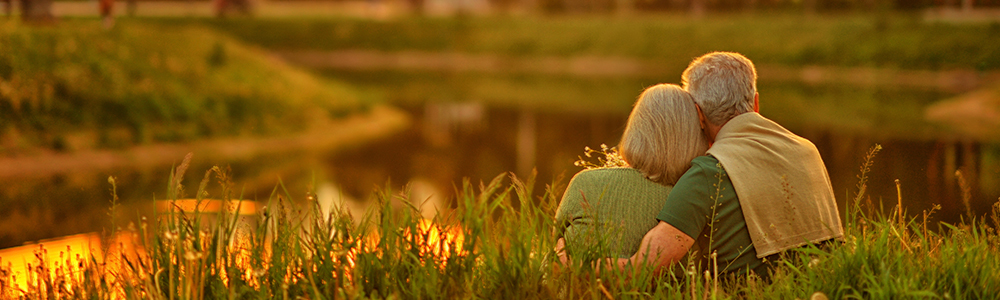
[(706, 163), (705, 171)]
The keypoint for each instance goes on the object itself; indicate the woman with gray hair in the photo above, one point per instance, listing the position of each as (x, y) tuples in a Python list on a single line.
[(606, 211)]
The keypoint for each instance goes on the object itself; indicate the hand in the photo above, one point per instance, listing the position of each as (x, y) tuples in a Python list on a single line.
[(561, 251)]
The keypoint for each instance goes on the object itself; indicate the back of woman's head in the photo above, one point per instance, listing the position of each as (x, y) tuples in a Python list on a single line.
[(663, 135)]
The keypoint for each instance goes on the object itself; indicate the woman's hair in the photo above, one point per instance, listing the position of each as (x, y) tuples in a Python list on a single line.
[(663, 134)]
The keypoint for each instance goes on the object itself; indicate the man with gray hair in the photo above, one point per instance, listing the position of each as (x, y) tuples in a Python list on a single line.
[(760, 189)]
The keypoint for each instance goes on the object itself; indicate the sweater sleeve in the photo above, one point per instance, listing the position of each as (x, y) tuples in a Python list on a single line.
[(571, 210), (608, 211)]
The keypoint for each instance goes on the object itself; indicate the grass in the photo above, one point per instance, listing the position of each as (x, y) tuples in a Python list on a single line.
[(75, 85), (901, 40), (497, 244)]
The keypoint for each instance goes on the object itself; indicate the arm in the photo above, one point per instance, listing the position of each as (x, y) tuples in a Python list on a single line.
[(574, 214), (662, 246), (682, 217)]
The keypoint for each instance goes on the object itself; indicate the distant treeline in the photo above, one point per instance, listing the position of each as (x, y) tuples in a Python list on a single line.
[(744, 5)]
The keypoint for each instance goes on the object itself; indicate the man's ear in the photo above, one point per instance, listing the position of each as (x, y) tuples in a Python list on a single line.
[(756, 103), (702, 120)]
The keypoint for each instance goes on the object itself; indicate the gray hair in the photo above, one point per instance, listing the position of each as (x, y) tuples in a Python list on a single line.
[(723, 84), (662, 135)]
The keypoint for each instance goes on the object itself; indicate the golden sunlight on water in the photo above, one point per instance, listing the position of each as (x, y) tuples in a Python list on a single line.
[(65, 255), (242, 208), (80, 258), (435, 241), (440, 239)]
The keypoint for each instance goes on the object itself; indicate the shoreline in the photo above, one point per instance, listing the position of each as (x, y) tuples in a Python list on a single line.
[(959, 80), (381, 121)]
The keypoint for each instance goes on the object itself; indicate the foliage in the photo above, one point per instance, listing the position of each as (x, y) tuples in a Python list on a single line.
[(900, 40), (606, 158), (496, 244), (139, 83)]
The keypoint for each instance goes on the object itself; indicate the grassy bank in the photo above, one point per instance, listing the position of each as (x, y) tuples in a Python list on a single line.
[(894, 41), (74, 85), (497, 244)]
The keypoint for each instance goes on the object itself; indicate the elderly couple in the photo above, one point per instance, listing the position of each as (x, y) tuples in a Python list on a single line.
[(708, 175)]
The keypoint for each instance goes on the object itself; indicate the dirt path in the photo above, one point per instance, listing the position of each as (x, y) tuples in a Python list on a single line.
[(380, 122), (367, 60)]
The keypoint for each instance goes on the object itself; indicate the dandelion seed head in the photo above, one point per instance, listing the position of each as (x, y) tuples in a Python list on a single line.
[(259, 272), (813, 262), (192, 255)]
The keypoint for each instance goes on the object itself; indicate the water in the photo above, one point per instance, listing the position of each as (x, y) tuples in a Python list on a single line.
[(478, 126), (492, 148), (481, 126)]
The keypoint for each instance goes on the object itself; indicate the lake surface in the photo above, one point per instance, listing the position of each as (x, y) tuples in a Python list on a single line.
[(477, 126), (480, 126)]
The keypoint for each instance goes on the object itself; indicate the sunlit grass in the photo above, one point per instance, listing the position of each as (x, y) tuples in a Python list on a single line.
[(76, 85), (497, 243)]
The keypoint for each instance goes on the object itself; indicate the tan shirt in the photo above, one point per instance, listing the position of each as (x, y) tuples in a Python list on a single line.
[(781, 182)]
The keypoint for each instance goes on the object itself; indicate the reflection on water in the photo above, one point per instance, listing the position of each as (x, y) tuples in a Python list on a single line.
[(35, 208), (926, 169), (545, 121), (506, 140), (464, 129), (65, 255)]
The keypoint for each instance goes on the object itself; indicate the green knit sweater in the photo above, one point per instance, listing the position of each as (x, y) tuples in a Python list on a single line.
[(606, 212)]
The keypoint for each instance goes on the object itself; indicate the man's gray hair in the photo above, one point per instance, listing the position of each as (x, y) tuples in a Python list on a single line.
[(723, 84)]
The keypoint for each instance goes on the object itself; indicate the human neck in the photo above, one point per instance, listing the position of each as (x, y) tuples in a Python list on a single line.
[(712, 130)]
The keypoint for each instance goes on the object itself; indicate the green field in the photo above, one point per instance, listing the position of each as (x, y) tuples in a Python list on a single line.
[(74, 85), (900, 40)]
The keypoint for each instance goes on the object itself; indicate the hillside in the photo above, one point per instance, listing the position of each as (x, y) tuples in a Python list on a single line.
[(74, 86)]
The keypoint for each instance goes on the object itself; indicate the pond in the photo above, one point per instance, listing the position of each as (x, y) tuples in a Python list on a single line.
[(475, 127)]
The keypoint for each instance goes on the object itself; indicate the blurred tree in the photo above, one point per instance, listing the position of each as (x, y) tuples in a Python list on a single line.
[(503, 6), (810, 6), (648, 5), (107, 9), (224, 8), (7, 7), (589, 5), (698, 8), (625, 7), (130, 6), (417, 6), (967, 5), (552, 6), (36, 10), (585, 6)]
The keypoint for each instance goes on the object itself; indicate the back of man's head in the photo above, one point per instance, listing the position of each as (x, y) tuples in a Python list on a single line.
[(723, 84)]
